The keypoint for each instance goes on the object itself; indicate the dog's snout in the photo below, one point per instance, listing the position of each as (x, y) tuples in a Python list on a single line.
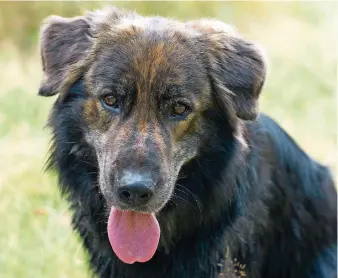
[(135, 189), (135, 194)]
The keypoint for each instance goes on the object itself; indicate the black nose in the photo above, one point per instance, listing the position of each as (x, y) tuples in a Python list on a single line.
[(135, 194)]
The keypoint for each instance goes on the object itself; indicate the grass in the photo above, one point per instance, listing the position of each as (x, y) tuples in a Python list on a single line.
[(35, 235), (36, 239)]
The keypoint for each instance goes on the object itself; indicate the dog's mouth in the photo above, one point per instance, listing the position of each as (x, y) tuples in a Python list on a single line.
[(134, 236), (133, 229)]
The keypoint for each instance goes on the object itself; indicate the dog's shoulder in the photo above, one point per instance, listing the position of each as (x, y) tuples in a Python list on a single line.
[(291, 165), (303, 199)]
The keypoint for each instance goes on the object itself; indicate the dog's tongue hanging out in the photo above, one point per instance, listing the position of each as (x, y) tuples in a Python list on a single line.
[(133, 236)]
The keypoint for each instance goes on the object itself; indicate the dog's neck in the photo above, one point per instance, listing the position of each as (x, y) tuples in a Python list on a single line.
[(194, 200)]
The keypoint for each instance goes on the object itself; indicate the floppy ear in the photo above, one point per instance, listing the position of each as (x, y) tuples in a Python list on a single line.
[(63, 44), (237, 67)]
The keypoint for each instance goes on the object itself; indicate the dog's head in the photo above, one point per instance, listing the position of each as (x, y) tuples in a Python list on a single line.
[(140, 92)]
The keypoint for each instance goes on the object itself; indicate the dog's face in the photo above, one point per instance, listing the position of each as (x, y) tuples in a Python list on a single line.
[(143, 89), (144, 114)]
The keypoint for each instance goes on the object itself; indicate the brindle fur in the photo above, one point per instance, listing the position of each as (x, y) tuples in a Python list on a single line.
[(235, 196)]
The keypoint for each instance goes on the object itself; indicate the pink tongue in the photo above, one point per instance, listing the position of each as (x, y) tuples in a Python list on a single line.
[(133, 236)]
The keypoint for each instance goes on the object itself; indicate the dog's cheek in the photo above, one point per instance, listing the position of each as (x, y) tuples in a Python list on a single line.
[(96, 123), (96, 117), (184, 140), (184, 151), (190, 137), (184, 128)]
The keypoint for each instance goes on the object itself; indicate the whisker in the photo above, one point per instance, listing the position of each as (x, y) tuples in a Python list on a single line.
[(172, 201), (180, 190), (184, 200), (192, 194)]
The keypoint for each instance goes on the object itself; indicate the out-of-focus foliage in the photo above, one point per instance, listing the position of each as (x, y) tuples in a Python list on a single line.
[(35, 235), (19, 21)]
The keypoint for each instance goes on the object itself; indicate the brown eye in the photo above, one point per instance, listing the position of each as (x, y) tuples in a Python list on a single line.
[(111, 103), (110, 100), (179, 109)]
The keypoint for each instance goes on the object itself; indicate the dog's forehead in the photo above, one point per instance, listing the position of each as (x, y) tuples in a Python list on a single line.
[(158, 56)]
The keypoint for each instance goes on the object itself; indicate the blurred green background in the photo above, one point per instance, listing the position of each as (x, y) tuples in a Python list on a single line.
[(35, 235)]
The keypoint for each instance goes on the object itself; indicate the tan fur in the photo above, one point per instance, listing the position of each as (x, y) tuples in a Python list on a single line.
[(95, 116)]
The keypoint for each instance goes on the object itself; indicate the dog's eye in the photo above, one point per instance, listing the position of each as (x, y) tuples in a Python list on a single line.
[(179, 109), (111, 102)]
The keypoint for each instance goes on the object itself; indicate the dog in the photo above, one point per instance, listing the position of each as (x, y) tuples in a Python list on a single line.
[(170, 169)]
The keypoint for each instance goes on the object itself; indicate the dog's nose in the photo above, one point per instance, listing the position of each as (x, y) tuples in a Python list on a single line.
[(135, 188), (135, 194)]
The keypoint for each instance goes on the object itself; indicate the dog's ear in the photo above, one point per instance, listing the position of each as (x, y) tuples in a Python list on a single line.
[(63, 43), (237, 67)]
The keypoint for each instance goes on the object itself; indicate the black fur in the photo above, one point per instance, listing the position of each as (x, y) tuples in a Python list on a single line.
[(251, 203), (267, 211)]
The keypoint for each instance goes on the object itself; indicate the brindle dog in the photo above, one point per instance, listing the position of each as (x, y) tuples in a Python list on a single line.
[(169, 168)]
